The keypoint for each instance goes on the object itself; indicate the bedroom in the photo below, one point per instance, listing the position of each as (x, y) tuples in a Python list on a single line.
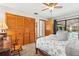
[(29, 26)]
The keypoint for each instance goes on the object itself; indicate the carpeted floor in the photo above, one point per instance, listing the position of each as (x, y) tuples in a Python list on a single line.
[(29, 50)]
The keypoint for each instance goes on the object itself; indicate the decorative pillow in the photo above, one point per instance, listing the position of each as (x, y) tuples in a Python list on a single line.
[(62, 35)]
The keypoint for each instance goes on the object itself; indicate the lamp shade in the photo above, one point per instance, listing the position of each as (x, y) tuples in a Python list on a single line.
[(3, 25)]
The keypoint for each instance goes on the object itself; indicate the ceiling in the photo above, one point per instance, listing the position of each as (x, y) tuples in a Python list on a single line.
[(31, 8)]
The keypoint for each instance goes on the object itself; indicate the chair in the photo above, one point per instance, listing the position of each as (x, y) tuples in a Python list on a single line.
[(15, 48)]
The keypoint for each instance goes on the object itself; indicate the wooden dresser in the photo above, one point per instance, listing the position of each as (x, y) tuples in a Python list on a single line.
[(3, 51), (2, 35), (1, 42)]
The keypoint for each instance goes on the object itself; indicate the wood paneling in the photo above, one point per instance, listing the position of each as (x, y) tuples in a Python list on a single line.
[(21, 28), (49, 25)]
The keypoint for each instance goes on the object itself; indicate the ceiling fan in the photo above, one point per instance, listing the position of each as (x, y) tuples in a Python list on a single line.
[(51, 6)]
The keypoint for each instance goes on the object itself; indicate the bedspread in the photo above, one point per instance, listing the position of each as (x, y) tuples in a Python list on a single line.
[(52, 47)]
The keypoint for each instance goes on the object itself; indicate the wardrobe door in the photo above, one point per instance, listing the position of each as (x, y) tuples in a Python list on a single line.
[(26, 30), (19, 37), (20, 23), (11, 23), (12, 34), (32, 30), (20, 29), (26, 37)]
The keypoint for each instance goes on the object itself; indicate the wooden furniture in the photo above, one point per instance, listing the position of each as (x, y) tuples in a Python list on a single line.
[(29, 30), (42, 52), (5, 52), (1, 42), (4, 34), (16, 48), (20, 27), (2, 38)]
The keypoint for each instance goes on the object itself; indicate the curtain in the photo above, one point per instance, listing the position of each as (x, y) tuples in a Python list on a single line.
[(55, 26)]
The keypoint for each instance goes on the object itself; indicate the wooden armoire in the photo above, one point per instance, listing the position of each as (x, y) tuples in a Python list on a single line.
[(20, 28)]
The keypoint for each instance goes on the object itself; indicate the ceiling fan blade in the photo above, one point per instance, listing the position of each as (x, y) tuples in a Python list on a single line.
[(46, 4), (58, 7), (44, 9), (51, 3), (55, 4)]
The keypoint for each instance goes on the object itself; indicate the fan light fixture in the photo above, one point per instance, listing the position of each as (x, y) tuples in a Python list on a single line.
[(51, 8)]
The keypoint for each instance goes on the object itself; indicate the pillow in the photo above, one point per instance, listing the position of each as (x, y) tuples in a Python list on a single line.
[(50, 37), (73, 36), (70, 50), (62, 35)]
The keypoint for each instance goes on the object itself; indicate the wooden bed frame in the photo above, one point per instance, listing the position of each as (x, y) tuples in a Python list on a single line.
[(42, 52)]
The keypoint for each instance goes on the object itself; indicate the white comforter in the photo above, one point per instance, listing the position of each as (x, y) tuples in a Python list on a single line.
[(51, 46), (57, 45)]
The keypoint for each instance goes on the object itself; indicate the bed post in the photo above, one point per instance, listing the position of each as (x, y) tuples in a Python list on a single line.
[(36, 48)]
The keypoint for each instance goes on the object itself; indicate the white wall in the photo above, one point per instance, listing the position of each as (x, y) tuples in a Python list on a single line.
[(67, 16), (2, 14), (13, 11)]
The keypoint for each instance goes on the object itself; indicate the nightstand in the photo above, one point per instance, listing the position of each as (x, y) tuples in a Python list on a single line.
[(5, 52)]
